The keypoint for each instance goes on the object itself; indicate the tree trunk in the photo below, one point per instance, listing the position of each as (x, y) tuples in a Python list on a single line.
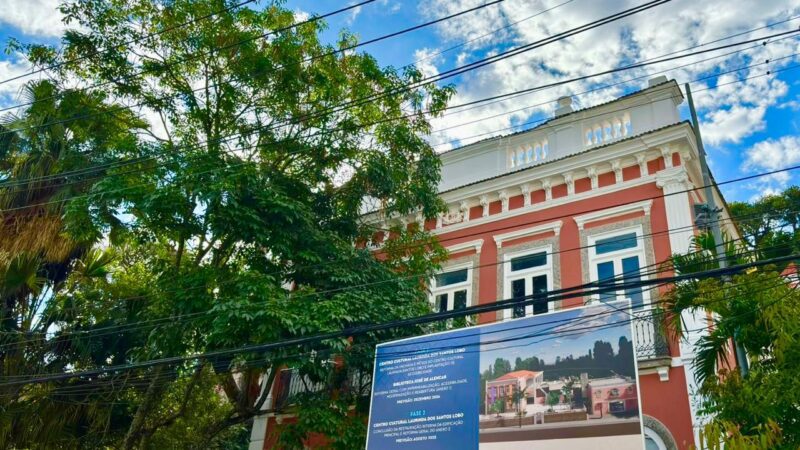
[(134, 431)]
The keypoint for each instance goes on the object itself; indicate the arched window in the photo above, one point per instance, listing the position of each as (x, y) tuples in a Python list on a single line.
[(652, 441)]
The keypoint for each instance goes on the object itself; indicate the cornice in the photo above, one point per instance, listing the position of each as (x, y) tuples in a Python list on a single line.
[(555, 227)]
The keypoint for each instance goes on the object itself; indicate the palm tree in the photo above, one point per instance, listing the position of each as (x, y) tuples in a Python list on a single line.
[(51, 155)]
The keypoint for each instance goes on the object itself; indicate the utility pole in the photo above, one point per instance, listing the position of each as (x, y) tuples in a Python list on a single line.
[(716, 232)]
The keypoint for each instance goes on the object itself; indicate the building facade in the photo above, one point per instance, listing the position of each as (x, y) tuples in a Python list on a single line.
[(590, 194)]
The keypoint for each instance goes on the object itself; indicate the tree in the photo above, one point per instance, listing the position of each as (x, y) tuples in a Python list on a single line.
[(50, 153), (553, 398), (501, 367), (760, 310), (249, 179)]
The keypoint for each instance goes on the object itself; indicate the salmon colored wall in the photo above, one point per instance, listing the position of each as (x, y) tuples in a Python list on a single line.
[(516, 201), (583, 185), (559, 191), (314, 441), (655, 165), (629, 173), (669, 403), (606, 179)]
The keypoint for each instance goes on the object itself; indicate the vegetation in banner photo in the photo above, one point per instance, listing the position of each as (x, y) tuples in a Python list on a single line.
[(545, 388), (216, 214)]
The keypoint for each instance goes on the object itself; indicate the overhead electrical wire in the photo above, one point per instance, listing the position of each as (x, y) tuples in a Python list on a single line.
[(223, 139), (448, 74), (173, 320), (420, 320), (312, 19), (127, 43)]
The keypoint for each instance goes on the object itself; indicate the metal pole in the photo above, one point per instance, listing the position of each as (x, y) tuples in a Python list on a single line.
[(716, 232)]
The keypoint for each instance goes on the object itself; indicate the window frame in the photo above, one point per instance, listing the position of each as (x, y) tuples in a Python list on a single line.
[(616, 257), (451, 289), (509, 276)]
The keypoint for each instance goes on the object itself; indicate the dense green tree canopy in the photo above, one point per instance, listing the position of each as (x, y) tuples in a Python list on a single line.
[(228, 197)]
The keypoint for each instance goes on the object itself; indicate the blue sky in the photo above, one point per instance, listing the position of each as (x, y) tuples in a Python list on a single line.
[(749, 126), (576, 336)]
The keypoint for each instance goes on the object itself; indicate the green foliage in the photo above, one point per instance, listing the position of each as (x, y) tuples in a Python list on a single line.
[(230, 218), (762, 312), (553, 398)]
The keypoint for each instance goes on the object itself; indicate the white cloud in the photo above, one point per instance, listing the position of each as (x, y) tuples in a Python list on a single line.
[(354, 13), (33, 17), (13, 67), (734, 124), (301, 16), (773, 154), (730, 113)]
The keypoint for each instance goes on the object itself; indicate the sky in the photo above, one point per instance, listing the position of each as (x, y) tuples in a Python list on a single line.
[(579, 330), (749, 117)]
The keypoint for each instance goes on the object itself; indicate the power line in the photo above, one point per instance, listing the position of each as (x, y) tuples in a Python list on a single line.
[(564, 216), (429, 318), (312, 58), (654, 315), (226, 47), (125, 44), (226, 138), (465, 68), (135, 326)]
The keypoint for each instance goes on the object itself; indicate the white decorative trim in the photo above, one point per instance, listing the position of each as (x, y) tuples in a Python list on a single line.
[(583, 219), (464, 208), (525, 232), (548, 189), (569, 179), (484, 201), (526, 194), (420, 220), (551, 204), (666, 152), (641, 160), (663, 373), (592, 172), (676, 176), (439, 220), (452, 217), (503, 195), (616, 166), (476, 244)]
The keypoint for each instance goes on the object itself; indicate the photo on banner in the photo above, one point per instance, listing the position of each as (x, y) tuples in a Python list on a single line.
[(566, 379)]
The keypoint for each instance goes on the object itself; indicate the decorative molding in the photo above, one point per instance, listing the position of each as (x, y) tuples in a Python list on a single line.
[(526, 194), (548, 189), (673, 177), (439, 220), (616, 166), (484, 201), (476, 244), (420, 218), (641, 160), (551, 204), (464, 208), (503, 195), (569, 179), (666, 152), (452, 217), (644, 206), (555, 227), (663, 373), (592, 171)]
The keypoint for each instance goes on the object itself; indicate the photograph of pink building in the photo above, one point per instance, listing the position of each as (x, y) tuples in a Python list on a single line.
[(506, 387), (613, 395)]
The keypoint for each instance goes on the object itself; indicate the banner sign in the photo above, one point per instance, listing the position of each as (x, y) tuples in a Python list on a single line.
[(566, 379)]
